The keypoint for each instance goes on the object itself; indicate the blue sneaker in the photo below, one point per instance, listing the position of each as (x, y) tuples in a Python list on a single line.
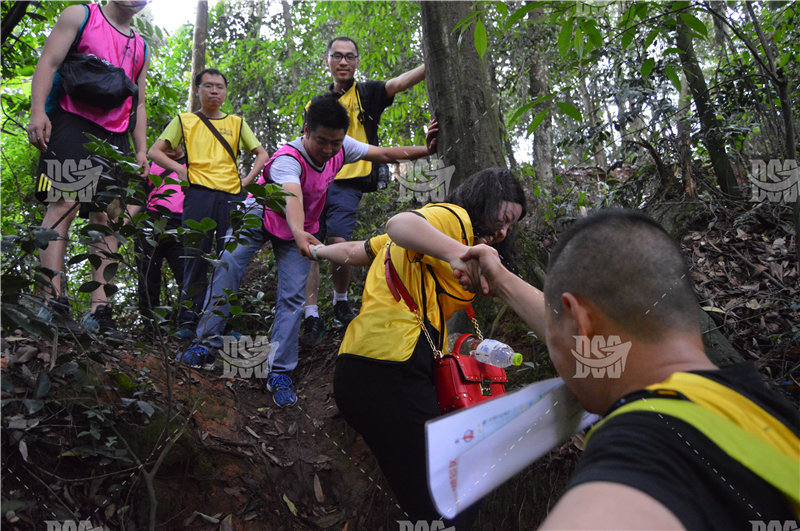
[(282, 389), (199, 357)]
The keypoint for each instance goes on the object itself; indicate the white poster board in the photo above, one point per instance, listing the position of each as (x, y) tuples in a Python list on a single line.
[(472, 451)]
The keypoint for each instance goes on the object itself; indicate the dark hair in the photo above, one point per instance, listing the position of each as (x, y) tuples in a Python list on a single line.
[(630, 268), (481, 195), (210, 71), (326, 111), (341, 38)]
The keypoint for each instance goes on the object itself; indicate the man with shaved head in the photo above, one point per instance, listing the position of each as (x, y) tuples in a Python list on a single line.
[(684, 444)]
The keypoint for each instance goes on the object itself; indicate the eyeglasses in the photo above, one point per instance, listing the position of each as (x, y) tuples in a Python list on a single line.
[(338, 57)]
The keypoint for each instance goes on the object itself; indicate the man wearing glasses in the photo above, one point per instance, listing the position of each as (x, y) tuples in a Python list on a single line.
[(364, 102)]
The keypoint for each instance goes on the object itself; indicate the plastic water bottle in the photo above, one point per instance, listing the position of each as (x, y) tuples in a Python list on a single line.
[(489, 351)]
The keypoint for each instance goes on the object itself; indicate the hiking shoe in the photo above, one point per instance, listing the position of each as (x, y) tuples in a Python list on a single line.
[(343, 313), (199, 357), (313, 331), (57, 312), (282, 389), (101, 321)]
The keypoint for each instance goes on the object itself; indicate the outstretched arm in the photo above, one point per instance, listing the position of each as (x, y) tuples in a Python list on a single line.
[(351, 253), (295, 218), (398, 153), (494, 279), (405, 80)]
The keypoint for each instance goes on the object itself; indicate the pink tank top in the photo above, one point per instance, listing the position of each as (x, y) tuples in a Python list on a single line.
[(314, 185), (172, 202), (103, 40)]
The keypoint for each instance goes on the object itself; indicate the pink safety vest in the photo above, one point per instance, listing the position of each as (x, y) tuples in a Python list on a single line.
[(100, 38), (314, 185), (172, 202)]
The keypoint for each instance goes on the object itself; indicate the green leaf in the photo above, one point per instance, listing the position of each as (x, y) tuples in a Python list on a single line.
[(627, 38), (88, 287), (42, 386), (672, 75), (590, 28), (110, 271), (145, 408), (502, 9), (565, 38), (647, 67), (32, 405), (570, 110), (650, 38), (695, 23), (480, 38), (517, 15), (537, 121)]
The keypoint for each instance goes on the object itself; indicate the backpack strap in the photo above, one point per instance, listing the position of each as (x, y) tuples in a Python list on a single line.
[(218, 136)]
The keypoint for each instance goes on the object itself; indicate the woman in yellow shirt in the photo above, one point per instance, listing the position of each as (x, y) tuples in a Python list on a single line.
[(383, 380)]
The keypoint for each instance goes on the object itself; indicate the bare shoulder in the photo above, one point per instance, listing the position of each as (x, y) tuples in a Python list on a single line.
[(72, 17), (587, 506)]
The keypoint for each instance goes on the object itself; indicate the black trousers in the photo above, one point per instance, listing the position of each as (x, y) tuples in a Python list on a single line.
[(388, 404), (199, 203), (150, 259)]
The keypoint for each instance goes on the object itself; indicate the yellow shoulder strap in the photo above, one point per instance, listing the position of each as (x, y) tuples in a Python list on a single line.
[(780, 470), (735, 407)]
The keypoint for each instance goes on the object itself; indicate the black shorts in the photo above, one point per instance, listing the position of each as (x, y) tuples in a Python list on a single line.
[(67, 171)]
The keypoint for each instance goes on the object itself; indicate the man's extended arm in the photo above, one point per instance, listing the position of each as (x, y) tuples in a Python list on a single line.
[(405, 81), (258, 166), (398, 153), (295, 218), (526, 301), (55, 50)]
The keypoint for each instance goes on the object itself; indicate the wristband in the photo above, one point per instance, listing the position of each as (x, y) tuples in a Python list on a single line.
[(314, 251)]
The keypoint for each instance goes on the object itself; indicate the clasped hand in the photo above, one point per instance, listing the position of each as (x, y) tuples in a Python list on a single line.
[(478, 269)]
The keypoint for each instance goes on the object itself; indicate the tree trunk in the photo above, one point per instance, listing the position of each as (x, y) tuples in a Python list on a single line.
[(539, 78), (459, 91), (709, 124), (15, 14), (590, 110), (685, 141), (290, 47), (198, 51)]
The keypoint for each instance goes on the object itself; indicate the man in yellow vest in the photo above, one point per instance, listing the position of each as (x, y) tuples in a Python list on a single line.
[(364, 101), (212, 140), (684, 444)]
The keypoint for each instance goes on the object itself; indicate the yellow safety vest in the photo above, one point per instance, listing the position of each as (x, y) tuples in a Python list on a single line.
[(209, 163)]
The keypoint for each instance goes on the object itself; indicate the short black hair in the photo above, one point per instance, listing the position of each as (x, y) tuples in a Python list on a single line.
[(326, 111), (630, 268), (341, 38), (210, 71), (481, 196)]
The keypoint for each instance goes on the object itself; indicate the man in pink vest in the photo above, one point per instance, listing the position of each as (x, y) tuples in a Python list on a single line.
[(58, 127), (304, 168)]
